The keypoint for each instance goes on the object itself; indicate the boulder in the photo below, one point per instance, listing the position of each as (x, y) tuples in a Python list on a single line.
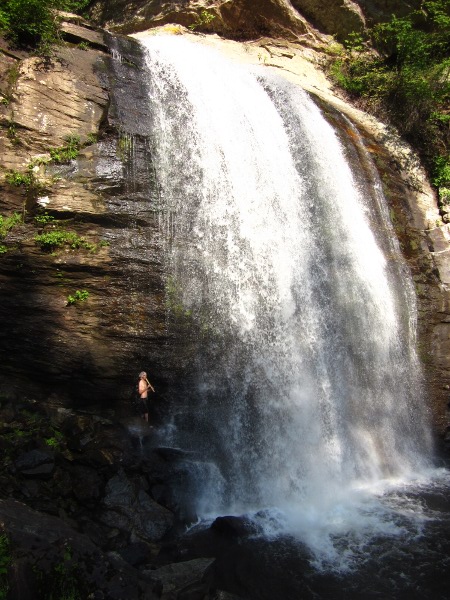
[(132, 510), (51, 557), (36, 463), (334, 17), (235, 527), (185, 580)]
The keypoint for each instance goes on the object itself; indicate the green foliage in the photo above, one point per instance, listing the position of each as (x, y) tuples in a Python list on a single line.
[(26, 179), (355, 42), (34, 22), (441, 171), (5, 562), (407, 80), (59, 238), (28, 22), (18, 179), (124, 146), (203, 20), (441, 178), (78, 296), (444, 195), (91, 138), (75, 6), (7, 223), (11, 132), (55, 440), (44, 219), (68, 152)]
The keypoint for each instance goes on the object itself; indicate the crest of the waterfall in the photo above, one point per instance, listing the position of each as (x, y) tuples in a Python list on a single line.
[(307, 384)]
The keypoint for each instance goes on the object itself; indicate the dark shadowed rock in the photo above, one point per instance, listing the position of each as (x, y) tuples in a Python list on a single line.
[(36, 463), (132, 510), (235, 527), (138, 553), (52, 556), (185, 580)]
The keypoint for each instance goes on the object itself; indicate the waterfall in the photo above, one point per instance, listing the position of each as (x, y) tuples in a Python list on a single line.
[(304, 386)]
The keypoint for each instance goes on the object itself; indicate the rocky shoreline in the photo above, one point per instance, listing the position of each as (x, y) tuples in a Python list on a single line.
[(86, 504)]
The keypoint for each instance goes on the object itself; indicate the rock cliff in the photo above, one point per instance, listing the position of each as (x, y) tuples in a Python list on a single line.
[(246, 19), (90, 350)]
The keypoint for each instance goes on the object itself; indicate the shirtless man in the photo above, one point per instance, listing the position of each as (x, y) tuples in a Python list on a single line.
[(143, 386)]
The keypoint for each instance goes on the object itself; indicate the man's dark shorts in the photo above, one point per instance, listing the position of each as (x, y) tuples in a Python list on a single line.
[(143, 406)]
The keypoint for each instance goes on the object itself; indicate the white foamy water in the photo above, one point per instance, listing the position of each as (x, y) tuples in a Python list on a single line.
[(306, 392)]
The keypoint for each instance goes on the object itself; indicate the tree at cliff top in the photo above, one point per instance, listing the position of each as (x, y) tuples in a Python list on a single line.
[(407, 80), (32, 22)]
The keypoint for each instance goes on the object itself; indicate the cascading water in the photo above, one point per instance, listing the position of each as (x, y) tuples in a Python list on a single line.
[(306, 388)]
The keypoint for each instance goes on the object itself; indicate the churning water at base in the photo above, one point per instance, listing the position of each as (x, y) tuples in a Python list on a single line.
[(304, 396)]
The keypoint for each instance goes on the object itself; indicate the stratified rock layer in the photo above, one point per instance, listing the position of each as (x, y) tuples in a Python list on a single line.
[(92, 350), (250, 19)]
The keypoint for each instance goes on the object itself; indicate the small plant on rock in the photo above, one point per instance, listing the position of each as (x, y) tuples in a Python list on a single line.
[(26, 179), (7, 223), (68, 152), (203, 19), (59, 238), (44, 219), (55, 440), (78, 296)]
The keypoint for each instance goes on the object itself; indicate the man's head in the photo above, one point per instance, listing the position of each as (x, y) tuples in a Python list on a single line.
[(143, 375)]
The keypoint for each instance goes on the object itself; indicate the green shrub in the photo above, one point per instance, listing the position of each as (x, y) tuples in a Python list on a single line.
[(18, 179), (441, 171), (59, 238), (407, 81), (34, 22), (44, 219), (56, 440), (27, 180), (75, 6), (78, 296), (444, 195), (203, 20), (7, 223), (68, 152), (28, 22)]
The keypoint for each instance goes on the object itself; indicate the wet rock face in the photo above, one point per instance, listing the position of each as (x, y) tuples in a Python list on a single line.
[(92, 349)]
